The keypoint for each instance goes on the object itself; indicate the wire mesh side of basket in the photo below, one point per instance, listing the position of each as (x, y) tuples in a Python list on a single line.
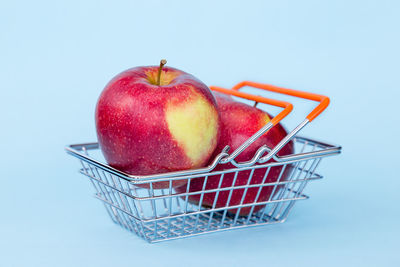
[(163, 214)]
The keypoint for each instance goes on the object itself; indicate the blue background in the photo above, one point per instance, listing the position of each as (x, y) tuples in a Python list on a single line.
[(57, 56)]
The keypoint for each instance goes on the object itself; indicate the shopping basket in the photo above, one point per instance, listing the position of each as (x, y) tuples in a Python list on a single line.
[(164, 214)]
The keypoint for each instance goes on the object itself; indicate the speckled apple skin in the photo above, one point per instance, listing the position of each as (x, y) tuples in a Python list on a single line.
[(131, 126), (238, 122)]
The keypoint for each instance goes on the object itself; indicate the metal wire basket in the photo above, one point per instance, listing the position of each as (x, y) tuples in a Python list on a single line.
[(165, 214)]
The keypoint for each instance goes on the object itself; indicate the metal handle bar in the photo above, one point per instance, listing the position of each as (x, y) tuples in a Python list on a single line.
[(324, 102), (288, 107)]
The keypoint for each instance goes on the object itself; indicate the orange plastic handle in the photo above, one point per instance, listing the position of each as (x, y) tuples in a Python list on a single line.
[(275, 120), (324, 100)]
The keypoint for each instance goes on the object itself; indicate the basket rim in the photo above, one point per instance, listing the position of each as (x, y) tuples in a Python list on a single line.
[(80, 151)]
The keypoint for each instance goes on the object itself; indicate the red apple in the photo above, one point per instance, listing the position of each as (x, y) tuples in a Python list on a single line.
[(239, 122), (153, 120)]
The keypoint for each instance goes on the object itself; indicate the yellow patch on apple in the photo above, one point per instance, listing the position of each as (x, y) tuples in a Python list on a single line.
[(266, 120), (193, 125)]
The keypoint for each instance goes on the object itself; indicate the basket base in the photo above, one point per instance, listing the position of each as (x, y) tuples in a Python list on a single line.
[(195, 224)]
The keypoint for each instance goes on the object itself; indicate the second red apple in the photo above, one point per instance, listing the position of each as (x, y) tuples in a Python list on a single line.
[(239, 122)]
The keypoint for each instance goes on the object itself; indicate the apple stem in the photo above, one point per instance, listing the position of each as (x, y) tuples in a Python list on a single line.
[(162, 63), (255, 104)]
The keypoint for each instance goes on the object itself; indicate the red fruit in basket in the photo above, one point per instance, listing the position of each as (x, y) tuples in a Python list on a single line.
[(156, 119), (238, 123)]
